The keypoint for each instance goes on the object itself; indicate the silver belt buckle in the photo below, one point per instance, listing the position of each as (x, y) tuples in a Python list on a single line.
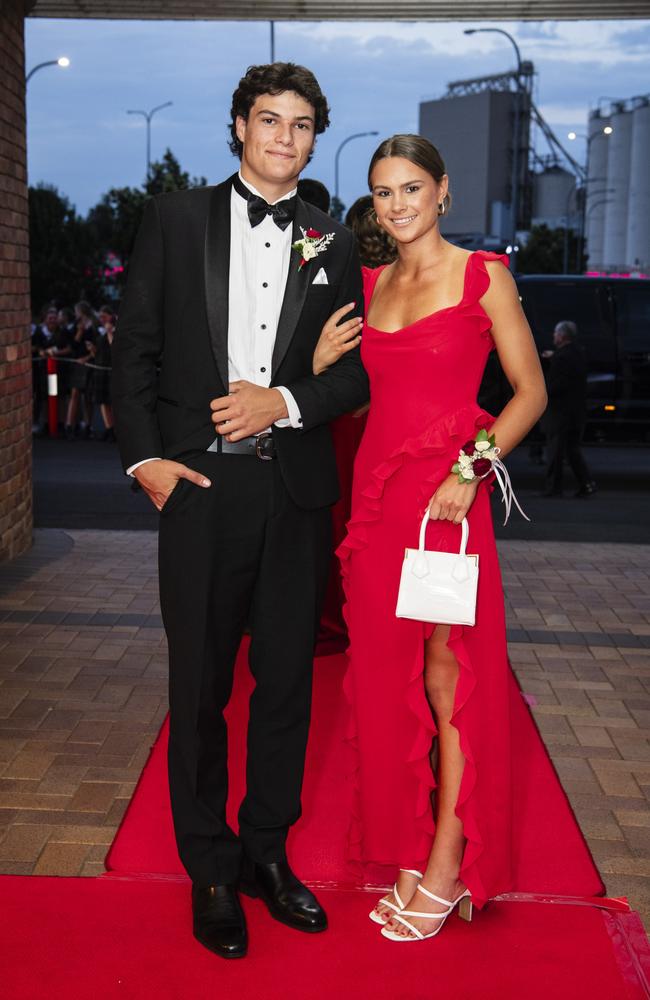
[(258, 451)]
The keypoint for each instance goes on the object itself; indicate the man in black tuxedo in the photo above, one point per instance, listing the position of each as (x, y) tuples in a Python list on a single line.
[(222, 421)]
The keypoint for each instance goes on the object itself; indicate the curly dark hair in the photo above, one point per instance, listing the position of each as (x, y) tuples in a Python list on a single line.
[(276, 78), (376, 247)]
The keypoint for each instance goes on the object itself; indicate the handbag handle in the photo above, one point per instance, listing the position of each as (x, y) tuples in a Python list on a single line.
[(463, 538)]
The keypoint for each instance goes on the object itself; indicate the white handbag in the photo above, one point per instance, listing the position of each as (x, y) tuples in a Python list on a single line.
[(439, 587)]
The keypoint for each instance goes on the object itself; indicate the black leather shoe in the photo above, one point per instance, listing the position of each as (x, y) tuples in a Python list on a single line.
[(586, 490), (219, 923), (288, 900)]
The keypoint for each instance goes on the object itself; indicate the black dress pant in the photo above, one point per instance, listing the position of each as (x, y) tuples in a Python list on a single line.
[(563, 443), (238, 552)]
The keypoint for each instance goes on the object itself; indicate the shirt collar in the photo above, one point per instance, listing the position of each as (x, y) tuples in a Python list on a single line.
[(253, 190)]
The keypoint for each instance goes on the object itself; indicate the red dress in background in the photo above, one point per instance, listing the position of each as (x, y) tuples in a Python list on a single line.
[(346, 434), (424, 381)]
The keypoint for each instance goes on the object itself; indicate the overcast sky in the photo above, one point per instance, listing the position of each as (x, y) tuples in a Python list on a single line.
[(374, 75)]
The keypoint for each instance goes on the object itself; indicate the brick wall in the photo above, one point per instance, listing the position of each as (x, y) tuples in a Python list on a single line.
[(15, 354)]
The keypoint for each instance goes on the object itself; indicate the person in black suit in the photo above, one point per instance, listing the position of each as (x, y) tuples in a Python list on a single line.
[(564, 420), (222, 420)]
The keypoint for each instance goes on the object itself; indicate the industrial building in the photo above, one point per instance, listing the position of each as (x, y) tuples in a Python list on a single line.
[(483, 129), (617, 211), (474, 127), (473, 133), (555, 201), (501, 185)]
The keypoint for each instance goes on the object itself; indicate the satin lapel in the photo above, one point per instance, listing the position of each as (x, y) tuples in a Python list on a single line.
[(217, 275), (295, 292)]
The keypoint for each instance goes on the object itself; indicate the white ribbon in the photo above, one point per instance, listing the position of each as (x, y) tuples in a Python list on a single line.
[(507, 493)]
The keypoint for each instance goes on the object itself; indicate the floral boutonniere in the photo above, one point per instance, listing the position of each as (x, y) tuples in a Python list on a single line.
[(311, 244)]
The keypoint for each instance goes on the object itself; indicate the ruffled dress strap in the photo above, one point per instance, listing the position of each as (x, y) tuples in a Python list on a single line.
[(477, 282), (370, 276), (478, 277)]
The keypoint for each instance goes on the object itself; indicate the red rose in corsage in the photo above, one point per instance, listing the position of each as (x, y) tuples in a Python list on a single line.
[(476, 458), (482, 466), (311, 244)]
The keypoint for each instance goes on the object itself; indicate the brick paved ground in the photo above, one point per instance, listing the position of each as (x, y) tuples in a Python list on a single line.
[(83, 692)]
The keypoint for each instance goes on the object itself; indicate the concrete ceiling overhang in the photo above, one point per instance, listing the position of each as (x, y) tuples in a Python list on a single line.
[(340, 10)]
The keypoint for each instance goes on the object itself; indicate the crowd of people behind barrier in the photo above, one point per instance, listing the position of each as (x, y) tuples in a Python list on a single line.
[(80, 340)]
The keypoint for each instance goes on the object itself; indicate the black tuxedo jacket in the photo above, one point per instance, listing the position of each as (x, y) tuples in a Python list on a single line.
[(170, 353)]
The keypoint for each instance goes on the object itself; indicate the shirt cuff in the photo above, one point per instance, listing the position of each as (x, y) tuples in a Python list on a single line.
[(294, 419), (131, 469)]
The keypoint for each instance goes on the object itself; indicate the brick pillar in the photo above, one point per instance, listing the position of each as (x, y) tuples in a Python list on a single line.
[(15, 351)]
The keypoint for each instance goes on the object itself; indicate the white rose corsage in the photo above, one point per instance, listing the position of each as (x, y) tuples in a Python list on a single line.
[(480, 457), (476, 458), (311, 244)]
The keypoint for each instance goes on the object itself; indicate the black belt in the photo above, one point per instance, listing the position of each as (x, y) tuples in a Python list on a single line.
[(262, 446)]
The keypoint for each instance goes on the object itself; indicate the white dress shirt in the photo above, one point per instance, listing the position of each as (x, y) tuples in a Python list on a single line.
[(259, 267)]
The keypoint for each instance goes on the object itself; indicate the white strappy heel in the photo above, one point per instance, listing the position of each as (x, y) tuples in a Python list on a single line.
[(375, 917), (464, 911)]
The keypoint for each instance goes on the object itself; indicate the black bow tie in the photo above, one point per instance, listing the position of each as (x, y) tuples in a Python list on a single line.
[(282, 212)]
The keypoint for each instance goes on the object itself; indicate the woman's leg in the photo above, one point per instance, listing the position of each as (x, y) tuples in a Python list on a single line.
[(441, 876), (87, 410), (73, 407), (107, 415)]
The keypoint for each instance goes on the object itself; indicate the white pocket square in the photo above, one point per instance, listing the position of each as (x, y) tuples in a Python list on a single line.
[(321, 278)]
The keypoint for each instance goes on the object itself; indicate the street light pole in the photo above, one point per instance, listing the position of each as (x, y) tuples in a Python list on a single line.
[(62, 61), (565, 251), (148, 115), (514, 185), (357, 135), (272, 23)]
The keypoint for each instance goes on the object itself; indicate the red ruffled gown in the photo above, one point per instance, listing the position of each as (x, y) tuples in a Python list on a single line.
[(424, 381)]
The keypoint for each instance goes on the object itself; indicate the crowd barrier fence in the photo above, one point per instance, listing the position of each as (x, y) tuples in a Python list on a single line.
[(53, 386)]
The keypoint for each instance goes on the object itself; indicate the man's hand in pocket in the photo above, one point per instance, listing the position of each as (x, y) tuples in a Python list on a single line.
[(159, 477)]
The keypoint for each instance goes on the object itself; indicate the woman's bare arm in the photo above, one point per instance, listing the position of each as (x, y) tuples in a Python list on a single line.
[(520, 362), (519, 359)]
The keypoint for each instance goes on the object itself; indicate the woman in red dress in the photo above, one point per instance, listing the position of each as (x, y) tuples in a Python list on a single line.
[(432, 318)]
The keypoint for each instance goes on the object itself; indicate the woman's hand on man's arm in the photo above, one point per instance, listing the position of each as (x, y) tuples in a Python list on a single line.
[(337, 338)]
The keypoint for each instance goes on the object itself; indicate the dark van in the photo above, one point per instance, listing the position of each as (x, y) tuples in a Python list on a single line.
[(613, 320)]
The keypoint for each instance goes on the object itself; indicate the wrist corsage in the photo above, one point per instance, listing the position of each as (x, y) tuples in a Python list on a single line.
[(480, 457), (476, 458)]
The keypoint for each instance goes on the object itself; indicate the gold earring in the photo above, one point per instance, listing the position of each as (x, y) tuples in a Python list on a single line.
[(442, 208)]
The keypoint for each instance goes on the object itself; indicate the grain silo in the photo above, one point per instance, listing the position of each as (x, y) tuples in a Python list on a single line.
[(618, 189), (596, 189), (554, 198), (638, 226)]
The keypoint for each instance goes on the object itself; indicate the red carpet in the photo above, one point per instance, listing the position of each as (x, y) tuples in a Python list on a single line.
[(104, 939), (551, 855), (127, 935)]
